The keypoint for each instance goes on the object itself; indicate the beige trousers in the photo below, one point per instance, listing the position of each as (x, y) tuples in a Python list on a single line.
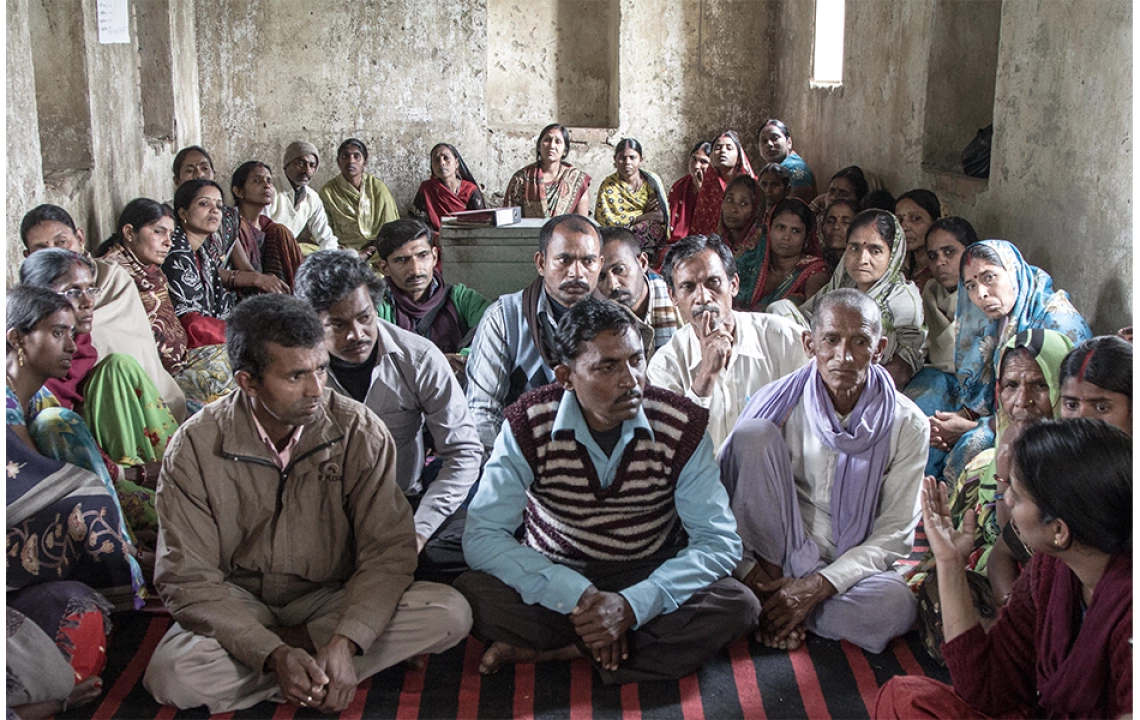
[(188, 669)]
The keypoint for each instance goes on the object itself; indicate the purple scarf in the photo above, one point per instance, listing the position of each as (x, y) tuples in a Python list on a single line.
[(434, 318), (863, 450)]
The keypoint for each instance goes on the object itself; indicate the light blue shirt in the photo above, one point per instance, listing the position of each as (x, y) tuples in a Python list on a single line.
[(496, 512)]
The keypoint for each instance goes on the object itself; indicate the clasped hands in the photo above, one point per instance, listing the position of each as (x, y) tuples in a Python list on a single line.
[(601, 619), (789, 603), (326, 682)]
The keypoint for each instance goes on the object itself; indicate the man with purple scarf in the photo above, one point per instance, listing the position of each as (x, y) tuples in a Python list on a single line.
[(823, 470), (418, 300)]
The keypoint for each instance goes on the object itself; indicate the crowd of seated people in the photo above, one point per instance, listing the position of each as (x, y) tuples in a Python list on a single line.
[(721, 409)]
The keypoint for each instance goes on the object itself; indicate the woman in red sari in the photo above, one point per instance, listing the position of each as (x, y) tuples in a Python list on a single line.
[(683, 194), (450, 189), (727, 161)]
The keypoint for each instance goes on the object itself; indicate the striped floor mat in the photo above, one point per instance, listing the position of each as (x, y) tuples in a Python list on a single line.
[(822, 679)]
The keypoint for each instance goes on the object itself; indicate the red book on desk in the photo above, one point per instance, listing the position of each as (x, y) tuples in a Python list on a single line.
[(491, 217)]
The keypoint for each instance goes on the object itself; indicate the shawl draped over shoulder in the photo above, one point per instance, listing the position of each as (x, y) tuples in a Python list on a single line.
[(978, 343), (539, 200)]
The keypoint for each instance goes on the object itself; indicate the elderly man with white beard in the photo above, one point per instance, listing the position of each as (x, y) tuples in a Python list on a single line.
[(721, 357)]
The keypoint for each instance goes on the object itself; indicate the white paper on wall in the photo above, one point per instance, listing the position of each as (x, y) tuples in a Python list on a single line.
[(114, 22)]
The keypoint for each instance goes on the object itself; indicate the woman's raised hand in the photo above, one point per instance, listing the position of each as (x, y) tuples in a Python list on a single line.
[(951, 547)]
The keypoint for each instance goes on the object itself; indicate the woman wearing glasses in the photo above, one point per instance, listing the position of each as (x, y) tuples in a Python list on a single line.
[(129, 420)]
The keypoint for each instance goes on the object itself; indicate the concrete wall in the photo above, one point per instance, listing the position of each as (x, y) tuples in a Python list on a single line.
[(103, 154), (403, 75), (1060, 185)]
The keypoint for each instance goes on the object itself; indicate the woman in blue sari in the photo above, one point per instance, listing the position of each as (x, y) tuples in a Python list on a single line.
[(999, 295)]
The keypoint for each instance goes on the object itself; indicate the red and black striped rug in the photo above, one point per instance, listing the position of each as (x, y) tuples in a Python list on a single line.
[(822, 679)]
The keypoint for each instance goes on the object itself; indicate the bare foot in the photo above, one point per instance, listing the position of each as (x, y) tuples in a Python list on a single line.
[(83, 693), (500, 654), (768, 637)]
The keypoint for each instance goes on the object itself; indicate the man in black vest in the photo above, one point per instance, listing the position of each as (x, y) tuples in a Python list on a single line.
[(627, 540)]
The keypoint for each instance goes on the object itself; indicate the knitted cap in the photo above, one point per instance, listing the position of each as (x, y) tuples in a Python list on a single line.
[(299, 148)]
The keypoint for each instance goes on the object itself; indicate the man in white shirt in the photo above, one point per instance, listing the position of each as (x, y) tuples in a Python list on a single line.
[(823, 470), (299, 207), (720, 358)]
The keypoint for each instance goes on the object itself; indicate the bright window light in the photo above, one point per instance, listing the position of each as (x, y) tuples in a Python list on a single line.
[(828, 65)]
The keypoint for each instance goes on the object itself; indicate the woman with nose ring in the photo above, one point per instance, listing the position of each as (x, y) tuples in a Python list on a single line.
[(1028, 390)]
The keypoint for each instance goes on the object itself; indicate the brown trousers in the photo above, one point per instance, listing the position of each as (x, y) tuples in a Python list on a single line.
[(669, 646)]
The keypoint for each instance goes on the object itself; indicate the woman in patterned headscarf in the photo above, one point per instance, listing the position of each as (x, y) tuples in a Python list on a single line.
[(872, 264), (999, 295)]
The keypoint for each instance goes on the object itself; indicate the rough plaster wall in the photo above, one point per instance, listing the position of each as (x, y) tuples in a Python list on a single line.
[(123, 164), (963, 56), (400, 75), (1060, 185), (24, 173), (403, 75), (551, 59), (61, 86)]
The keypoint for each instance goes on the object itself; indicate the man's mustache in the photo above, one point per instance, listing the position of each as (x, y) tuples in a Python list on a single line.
[(572, 284), (711, 308)]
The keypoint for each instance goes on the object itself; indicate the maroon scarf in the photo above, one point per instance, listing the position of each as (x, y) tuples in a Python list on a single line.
[(1073, 663), (434, 317), (440, 201), (69, 390)]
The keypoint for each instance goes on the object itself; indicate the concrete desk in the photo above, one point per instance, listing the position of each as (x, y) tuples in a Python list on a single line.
[(493, 260)]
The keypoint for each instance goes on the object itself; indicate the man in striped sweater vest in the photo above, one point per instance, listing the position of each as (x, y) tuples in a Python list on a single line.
[(627, 540)]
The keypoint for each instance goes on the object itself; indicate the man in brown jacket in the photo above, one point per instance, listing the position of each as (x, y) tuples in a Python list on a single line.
[(286, 549)]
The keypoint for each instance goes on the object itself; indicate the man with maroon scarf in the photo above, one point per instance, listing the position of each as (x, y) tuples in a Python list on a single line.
[(418, 300)]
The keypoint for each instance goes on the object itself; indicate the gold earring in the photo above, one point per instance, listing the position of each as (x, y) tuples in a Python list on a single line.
[(20, 355)]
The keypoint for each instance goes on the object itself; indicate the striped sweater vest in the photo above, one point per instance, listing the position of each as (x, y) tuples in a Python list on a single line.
[(569, 516)]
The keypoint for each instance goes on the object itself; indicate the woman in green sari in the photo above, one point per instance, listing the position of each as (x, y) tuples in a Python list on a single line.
[(129, 420), (1028, 390)]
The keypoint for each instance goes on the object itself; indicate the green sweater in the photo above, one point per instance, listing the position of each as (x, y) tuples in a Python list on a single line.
[(469, 304)]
